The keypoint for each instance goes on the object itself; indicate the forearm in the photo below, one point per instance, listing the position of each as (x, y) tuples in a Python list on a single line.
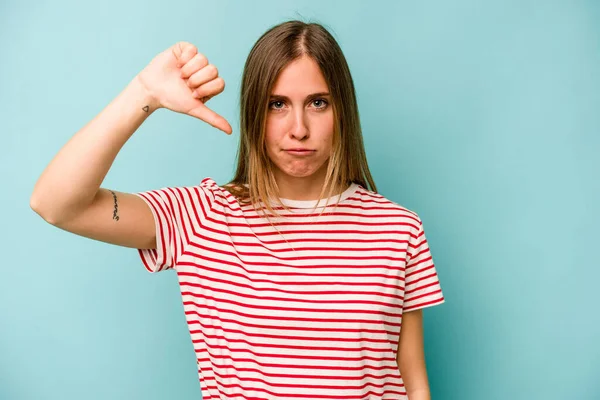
[(419, 394), (73, 177), (416, 382)]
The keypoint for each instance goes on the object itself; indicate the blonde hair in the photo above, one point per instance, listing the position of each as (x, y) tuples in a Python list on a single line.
[(254, 180)]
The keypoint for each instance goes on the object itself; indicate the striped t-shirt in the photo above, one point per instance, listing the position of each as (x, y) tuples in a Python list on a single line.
[(310, 310)]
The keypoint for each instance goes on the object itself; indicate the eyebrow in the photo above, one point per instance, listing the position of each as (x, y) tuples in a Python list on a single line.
[(310, 96)]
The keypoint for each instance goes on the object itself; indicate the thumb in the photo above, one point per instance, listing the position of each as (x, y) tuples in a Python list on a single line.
[(209, 116)]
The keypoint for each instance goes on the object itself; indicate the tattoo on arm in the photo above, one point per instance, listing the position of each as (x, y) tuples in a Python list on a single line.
[(147, 108), (116, 210)]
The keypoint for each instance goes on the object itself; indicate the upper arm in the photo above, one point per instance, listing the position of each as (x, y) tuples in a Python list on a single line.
[(411, 352), (158, 223), (115, 217), (410, 344)]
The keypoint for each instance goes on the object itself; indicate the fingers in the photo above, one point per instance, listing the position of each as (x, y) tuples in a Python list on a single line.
[(204, 81), (210, 89), (184, 52), (204, 75), (198, 72), (196, 63), (206, 114)]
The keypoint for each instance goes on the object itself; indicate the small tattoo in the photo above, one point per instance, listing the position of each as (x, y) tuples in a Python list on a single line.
[(116, 210), (147, 108)]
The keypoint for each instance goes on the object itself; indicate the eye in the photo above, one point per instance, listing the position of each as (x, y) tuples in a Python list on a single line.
[(276, 105), (320, 103)]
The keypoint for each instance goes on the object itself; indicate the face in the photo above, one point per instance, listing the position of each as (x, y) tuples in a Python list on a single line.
[(299, 127)]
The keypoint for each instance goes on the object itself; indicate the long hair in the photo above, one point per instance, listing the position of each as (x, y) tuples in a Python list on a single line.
[(254, 180)]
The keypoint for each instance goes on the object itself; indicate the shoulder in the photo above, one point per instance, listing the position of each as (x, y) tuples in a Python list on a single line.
[(209, 183), (222, 194), (372, 201)]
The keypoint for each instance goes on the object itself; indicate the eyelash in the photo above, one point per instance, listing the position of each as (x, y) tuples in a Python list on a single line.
[(326, 103)]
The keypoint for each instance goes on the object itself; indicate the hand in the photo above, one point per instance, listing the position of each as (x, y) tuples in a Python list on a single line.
[(182, 80)]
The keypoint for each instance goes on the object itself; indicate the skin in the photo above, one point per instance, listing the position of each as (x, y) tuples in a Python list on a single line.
[(299, 118), (411, 356), (297, 121)]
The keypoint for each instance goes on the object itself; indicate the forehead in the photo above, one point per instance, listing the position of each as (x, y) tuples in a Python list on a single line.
[(300, 76)]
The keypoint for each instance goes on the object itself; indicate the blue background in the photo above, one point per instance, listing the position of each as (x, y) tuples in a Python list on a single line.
[(482, 116)]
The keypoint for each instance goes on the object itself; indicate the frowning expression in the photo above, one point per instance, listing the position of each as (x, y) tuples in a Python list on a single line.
[(300, 121)]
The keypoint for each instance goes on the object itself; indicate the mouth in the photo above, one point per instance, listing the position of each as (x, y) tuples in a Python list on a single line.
[(299, 152)]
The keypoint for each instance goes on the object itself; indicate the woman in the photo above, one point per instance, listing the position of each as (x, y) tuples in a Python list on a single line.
[(286, 296)]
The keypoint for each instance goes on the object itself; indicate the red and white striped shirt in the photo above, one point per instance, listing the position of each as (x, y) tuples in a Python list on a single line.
[(313, 311)]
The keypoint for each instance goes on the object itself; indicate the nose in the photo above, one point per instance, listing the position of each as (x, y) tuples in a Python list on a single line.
[(299, 128)]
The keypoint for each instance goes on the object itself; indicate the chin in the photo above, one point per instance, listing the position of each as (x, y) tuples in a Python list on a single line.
[(298, 174), (304, 172)]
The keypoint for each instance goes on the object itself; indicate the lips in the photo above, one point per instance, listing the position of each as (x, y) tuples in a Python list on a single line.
[(299, 152)]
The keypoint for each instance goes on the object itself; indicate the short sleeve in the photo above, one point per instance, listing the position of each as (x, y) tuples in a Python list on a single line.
[(178, 213), (422, 287)]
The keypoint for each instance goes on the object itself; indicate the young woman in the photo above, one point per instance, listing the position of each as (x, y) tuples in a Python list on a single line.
[(298, 280)]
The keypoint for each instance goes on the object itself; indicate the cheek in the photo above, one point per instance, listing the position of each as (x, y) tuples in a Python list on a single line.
[(325, 124), (271, 143), (327, 130), (275, 129), (272, 129)]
